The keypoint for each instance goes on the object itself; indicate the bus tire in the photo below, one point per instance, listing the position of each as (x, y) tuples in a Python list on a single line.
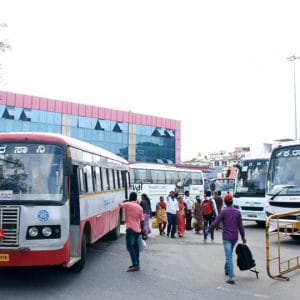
[(80, 264), (115, 233)]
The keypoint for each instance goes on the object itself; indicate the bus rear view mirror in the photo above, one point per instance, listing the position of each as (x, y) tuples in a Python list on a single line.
[(68, 168)]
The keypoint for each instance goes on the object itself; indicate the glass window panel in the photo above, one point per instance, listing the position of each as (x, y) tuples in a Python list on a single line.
[(57, 118), (42, 116), (88, 178), (74, 120), (158, 176), (104, 179), (172, 177), (50, 118), (2, 107), (34, 116)]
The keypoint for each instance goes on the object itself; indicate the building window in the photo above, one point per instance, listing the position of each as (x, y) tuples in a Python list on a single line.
[(9, 113), (98, 125), (25, 115)]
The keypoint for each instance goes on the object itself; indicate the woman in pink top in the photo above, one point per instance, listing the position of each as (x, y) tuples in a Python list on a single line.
[(134, 219)]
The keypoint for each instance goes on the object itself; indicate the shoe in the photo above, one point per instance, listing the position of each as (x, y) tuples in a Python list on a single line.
[(212, 240), (133, 269), (168, 234), (230, 281), (205, 241), (173, 237)]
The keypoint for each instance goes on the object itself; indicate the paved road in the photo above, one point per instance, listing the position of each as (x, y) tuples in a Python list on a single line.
[(170, 269)]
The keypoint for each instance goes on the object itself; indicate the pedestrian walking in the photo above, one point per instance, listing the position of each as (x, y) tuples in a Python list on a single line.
[(146, 205), (219, 203), (181, 216), (232, 225), (161, 215), (134, 220), (172, 209), (209, 212), (198, 215), (189, 208)]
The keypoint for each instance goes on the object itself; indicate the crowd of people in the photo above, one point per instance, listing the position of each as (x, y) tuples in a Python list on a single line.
[(178, 213)]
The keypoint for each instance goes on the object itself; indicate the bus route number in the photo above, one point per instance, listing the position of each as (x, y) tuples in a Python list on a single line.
[(137, 187)]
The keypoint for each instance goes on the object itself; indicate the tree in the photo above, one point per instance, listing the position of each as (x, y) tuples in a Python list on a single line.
[(4, 45)]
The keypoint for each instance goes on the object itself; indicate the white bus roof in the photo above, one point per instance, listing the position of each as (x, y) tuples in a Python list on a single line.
[(163, 167)]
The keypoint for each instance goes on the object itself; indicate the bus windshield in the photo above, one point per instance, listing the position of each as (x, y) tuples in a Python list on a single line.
[(284, 171), (251, 178), (31, 172), (222, 184)]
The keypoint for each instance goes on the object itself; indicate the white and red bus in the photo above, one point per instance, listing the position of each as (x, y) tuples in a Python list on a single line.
[(57, 194)]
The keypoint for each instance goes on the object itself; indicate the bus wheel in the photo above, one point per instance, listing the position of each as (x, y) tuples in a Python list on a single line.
[(80, 264), (115, 233)]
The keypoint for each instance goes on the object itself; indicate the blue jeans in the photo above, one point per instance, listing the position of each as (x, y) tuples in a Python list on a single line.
[(133, 246), (228, 248), (171, 224), (207, 220)]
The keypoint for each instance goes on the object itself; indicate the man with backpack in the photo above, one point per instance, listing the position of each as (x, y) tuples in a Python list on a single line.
[(209, 212), (232, 225)]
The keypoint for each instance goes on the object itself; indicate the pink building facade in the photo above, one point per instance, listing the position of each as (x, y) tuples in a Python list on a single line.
[(136, 137)]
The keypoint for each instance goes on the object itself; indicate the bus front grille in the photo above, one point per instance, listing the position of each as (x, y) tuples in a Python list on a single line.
[(9, 225)]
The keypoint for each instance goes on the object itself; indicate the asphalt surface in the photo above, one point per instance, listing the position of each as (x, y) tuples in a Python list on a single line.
[(181, 268)]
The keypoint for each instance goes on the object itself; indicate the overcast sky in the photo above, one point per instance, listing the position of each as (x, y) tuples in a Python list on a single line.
[(218, 66)]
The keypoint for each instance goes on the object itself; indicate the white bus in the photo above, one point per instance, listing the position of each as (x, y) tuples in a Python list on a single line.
[(249, 194), (283, 179), (57, 194), (158, 180)]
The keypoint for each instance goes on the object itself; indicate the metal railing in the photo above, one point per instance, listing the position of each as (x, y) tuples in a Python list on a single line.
[(281, 226)]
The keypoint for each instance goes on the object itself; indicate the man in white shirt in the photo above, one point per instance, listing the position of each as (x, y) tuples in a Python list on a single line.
[(189, 206), (172, 209)]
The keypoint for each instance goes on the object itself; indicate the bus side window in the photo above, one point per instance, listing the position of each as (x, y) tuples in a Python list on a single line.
[(118, 179), (88, 179), (113, 173), (104, 179), (108, 179), (81, 181), (96, 179)]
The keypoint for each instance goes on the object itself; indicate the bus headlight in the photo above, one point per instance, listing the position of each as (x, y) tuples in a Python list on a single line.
[(33, 232), (46, 231), (37, 232)]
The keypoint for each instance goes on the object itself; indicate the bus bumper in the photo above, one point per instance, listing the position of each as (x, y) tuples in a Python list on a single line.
[(27, 257)]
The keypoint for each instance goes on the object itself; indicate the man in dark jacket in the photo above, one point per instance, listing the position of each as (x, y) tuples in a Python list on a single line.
[(232, 225)]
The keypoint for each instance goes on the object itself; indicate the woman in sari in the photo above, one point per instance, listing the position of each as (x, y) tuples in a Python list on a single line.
[(146, 205), (181, 217), (161, 215), (198, 215)]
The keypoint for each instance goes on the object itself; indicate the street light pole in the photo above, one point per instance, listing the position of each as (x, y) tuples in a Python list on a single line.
[(293, 59)]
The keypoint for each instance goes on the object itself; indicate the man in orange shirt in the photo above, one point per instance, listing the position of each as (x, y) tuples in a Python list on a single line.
[(134, 219)]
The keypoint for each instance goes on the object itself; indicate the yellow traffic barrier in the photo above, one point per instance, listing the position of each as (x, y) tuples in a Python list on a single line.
[(280, 226)]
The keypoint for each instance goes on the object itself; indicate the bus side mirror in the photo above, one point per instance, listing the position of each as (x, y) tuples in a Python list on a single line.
[(68, 168)]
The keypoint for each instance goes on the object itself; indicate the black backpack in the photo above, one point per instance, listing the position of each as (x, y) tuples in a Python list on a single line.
[(245, 259)]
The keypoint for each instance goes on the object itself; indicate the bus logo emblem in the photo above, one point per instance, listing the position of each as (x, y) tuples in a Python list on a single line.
[(43, 215)]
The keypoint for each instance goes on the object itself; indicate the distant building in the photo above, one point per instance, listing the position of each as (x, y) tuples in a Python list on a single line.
[(135, 137)]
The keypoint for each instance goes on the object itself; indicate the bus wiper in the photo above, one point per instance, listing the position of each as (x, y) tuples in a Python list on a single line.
[(284, 187)]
